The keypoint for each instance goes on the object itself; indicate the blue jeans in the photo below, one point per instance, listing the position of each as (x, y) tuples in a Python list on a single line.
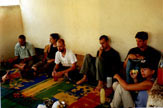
[(142, 98)]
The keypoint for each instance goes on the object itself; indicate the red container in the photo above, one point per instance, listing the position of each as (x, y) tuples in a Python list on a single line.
[(160, 76), (55, 78)]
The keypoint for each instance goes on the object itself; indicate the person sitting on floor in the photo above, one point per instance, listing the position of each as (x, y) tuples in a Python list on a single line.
[(142, 51), (24, 56), (47, 64), (65, 61), (105, 64), (122, 95)]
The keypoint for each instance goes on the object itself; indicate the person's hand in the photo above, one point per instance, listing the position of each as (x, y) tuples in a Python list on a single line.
[(135, 56), (132, 56), (100, 51), (59, 74), (54, 72), (116, 76), (138, 56), (49, 61), (134, 74), (20, 66)]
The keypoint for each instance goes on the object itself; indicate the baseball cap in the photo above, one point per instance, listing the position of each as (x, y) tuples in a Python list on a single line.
[(147, 64)]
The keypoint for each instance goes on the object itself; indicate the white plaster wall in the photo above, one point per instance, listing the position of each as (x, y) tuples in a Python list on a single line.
[(10, 27), (81, 22)]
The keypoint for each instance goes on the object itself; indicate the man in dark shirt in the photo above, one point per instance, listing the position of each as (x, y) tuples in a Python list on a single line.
[(141, 52), (106, 64)]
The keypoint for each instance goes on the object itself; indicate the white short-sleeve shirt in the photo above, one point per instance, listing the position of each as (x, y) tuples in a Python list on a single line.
[(67, 60)]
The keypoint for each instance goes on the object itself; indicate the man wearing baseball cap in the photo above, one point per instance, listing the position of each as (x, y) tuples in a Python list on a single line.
[(122, 95), (142, 51)]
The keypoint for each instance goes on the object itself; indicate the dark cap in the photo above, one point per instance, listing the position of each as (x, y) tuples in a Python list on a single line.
[(147, 64)]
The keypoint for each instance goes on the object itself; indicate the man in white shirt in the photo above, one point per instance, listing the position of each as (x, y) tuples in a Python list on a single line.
[(65, 61)]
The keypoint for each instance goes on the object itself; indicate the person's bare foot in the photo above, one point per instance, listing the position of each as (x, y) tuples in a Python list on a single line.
[(5, 77), (99, 86), (84, 79), (20, 66), (34, 68), (66, 74)]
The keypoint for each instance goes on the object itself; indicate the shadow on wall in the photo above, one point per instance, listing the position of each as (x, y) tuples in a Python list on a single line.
[(11, 27)]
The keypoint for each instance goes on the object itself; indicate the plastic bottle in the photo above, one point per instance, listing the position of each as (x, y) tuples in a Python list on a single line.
[(160, 72), (102, 96)]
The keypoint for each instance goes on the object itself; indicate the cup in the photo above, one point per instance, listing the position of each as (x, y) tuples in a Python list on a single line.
[(55, 78), (109, 82)]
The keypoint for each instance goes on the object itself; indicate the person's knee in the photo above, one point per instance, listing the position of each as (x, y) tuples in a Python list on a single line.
[(118, 89), (46, 66), (115, 84), (88, 56), (118, 86), (121, 89), (99, 59)]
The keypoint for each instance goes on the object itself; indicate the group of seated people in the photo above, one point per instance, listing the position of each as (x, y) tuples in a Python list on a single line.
[(140, 67)]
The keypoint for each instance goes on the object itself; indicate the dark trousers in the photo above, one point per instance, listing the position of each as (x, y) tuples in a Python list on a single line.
[(44, 67), (72, 75), (93, 68)]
